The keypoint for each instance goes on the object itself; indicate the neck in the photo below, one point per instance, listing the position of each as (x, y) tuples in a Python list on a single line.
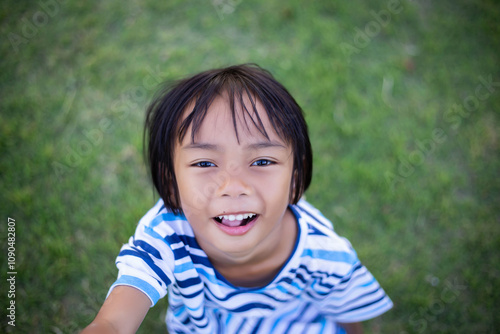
[(260, 269)]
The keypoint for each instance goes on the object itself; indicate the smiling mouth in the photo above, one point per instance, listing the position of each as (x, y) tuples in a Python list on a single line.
[(236, 220)]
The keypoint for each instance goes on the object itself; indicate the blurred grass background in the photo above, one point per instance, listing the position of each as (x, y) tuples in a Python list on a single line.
[(402, 100)]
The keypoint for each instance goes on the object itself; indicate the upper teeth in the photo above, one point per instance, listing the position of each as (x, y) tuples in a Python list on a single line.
[(237, 217)]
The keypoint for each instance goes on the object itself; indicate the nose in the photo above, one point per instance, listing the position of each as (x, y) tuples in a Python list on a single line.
[(233, 184)]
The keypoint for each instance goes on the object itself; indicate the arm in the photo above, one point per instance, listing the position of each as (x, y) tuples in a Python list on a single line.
[(122, 312), (352, 328)]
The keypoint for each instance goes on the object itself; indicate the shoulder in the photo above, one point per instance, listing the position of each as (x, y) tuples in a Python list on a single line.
[(160, 223), (161, 242), (318, 226), (322, 247), (312, 215), (163, 235)]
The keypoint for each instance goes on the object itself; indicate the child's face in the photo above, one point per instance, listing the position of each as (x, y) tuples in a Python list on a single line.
[(245, 183)]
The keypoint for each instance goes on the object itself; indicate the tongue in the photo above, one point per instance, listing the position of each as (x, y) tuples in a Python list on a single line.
[(231, 223)]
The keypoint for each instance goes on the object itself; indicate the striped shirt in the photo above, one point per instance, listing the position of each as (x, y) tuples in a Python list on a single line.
[(322, 283)]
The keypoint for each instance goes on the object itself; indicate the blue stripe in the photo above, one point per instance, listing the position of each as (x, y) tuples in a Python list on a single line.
[(170, 217), (386, 305), (190, 241), (188, 282), (296, 285), (322, 321), (297, 319), (165, 217), (280, 318), (186, 320), (301, 278), (180, 268), (152, 232), (348, 277), (178, 311), (140, 284), (145, 257), (369, 283), (241, 326), (314, 231), (320, 285), (201, 317), (310, 214), (211, 278), (256, 328), (328, 255), (364, 297), (180, 252), (318, 273), (242, 291), (296, 212), (218, 316), (148, 248), (228, 319), (192, 295), (201, 260), (251, 306)]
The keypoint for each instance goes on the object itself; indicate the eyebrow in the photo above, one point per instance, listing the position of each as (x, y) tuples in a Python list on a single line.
[(253, 146)]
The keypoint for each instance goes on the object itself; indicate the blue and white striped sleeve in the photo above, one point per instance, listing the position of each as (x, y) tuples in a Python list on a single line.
[(357, 297), (145, 264)]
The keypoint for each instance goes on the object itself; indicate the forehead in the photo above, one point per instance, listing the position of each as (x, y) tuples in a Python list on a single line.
[(245, 120)]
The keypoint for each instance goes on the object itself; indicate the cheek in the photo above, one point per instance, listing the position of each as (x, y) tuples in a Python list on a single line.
[(196, 185), (278, 187), (193, 205), (194, 194)]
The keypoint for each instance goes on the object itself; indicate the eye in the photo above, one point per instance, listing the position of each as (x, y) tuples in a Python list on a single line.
[(263, 162), (204, 164)]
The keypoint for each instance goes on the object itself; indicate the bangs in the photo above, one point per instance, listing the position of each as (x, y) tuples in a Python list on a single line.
[(242, 98)]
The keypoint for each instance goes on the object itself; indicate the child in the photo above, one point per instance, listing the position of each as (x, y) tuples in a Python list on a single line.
[(231, 240)]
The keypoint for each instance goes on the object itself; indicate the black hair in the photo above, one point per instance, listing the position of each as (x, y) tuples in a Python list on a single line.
[(165, 125)]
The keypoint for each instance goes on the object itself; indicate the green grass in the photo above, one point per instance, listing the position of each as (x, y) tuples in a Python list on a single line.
[(411, 181)]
